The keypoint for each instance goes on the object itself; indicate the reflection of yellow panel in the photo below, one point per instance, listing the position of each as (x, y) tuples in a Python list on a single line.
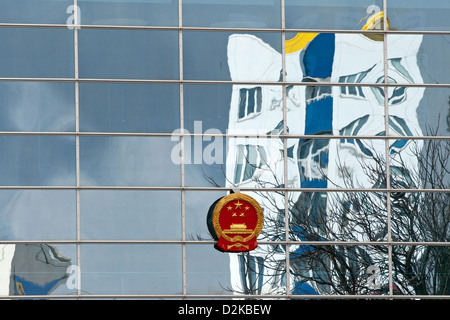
[(20, 289), (375, 22), (299, 41)]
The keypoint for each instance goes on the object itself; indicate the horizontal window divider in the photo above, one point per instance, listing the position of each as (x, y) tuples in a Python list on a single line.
[(212, 242), (224, 82), (225, 189), (231, 135), (230, 296), (216, 29)]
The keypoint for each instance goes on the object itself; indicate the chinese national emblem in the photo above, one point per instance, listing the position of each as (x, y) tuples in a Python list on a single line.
[(237, 220)]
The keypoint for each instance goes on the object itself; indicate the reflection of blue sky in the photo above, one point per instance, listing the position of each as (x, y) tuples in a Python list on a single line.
[(37, 215), (37, 106), (128, 161), (131, 215), (36, 52), (138, 54)]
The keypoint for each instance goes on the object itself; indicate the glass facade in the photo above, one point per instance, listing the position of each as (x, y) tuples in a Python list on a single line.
[(123, 121)]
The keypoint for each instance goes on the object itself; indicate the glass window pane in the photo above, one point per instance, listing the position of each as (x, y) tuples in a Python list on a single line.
[(37, 215), (37, 269), (426, 272), (338, 216), (420, 216), (344, 163), (232, 14), (129, 13), (206, 107), (419, 58), (433, 112), (319, 270), (235, 56), (205, 160), (419, 15), (207, 270), (125, 107), (37, 106), (345, 110), (36, 53), (140, 54), (37, 160), (316, 14), (131, 269), (128, 161), (329, 57), (419, 164), (35, 11), (140, 215), (198, 204)]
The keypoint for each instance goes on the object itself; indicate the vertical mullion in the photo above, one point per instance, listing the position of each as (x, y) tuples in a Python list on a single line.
[(77, 145), (386, 144), (285, 167), (183, 193)]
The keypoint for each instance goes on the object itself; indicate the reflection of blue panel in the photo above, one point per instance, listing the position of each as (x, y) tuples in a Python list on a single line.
[(303, 289), (314, 183), (319, 116), (31, 288), (319, 55)]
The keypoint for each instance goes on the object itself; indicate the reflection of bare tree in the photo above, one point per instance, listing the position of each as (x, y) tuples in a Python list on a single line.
[(357, 216)]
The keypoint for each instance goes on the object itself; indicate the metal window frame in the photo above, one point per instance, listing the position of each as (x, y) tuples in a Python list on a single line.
[(78, 188)]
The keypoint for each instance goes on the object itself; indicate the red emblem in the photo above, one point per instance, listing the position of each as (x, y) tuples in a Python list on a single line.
[(237, 220)]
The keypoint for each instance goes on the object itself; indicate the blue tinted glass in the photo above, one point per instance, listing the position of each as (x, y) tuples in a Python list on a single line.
[(207, 270), (198, 204), (205, 159), (156, 215), (419, 58), (37, 160), (131, 269), (141, 54), (37, 215), (207, 55), (419, 15), (37, 106), (433, 112), (37, 269), (128, 161), (330, 14), (35, 11), (36, 52), (232, 14), (209, 104), (125, 107), (126, 12)]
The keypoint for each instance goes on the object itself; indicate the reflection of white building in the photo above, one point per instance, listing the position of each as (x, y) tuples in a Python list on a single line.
[(340, 110)]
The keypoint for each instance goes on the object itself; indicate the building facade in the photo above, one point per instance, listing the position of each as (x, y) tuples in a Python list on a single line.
[(122, 122)]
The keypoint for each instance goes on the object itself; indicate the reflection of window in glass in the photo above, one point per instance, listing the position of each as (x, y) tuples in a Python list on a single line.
[(352, 91), (249, 158), (397, 96), (313, 158), (397, 73), (400, 127), (351, 130), (250, 101), (316, 93)]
